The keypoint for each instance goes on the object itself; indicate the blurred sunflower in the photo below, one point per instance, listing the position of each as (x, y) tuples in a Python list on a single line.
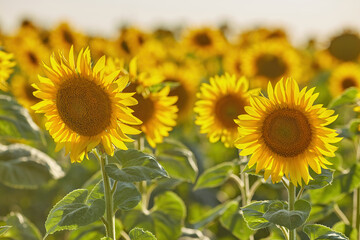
[(270, 61), (344, 76), (129, 42), (63, 37), (84, 106), (286, 133), (257, 35), (23, 91), (205, 41), (218, 105), (101, 46), (6, 68), (232, 61), (185, 83), (341, 48)]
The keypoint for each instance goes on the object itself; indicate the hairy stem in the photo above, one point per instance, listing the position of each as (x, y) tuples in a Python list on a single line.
[(291, 199)]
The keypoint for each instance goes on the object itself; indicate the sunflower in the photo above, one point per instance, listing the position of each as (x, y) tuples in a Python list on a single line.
[(232, 61), (129, 42), (84, 106), (286, 133), (344, 76), (6, 68), (63, 37), (270, 61), (219, 103), (185, 82), (344, 47), (22, 89), (205, 41), (257, 35)]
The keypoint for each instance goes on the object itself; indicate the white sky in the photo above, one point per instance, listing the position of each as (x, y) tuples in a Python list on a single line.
[(302, 18)]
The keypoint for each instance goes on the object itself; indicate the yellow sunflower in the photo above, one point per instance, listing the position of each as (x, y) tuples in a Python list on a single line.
[(63, 37), (6, 68), (156, 110), (270, 61), (344, 76), (341, 48), (129, 42), (205, 41), (232, 61), (286, 133), (218, 105), (84, 106), (22, 89), (257, 35), (186, 81)]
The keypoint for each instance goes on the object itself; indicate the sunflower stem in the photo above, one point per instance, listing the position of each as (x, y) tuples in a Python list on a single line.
[(283, 230), (300, 193), (356, 196), (108, 195), (291, 199)]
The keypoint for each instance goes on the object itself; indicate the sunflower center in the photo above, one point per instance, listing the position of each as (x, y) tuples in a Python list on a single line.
[(270, 66), (345, 47), (348, 82), (145, 108), (287, 132), (33, 59), (68, 37), (202, 39), (84, 106), (125, 46), (227, 108), (182, 94)]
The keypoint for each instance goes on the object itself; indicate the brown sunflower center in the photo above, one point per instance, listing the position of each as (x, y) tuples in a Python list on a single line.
[(348, 82), (33, 59), (345, 47), (202, 39), (68, 37), (270, 66), (84, 106), (125, 46), (145, 108), (227, 108), (287, 132), (182, 94)]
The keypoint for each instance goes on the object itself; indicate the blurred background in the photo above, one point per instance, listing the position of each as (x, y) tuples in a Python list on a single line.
[(302, 19)]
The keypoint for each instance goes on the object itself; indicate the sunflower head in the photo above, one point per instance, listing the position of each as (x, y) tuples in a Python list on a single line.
[(286, 133), (6, 68), (84, 106), (218, 105), (344, 76)]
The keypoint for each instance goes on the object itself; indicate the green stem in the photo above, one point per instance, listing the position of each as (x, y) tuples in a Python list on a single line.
[(292, 196), (356, 196), (108, 195)]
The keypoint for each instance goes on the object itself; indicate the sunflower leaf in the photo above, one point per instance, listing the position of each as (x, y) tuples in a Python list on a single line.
[(320, 180), (177, 160), (135, 165), (15, 121), (94, 230), (234, 221), (347, 97), (320, 232), (254, 214), (215, 176), (3, 229), (126, 195), (21, 228), (22, 166), (279, 215), (345, 229), (164, 220), (140, 234), (74, 211)]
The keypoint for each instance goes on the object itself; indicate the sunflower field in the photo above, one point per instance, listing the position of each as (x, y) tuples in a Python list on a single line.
[(188, 133)]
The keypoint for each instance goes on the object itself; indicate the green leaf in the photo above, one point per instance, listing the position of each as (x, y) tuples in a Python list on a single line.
[(94, 230), (320, 211), (347, 97), (233, 221), (254, 214), (126, 195), (136, 166), (3, 229), (215, 176), (73, 211), (210, 215), (346, 230), (279, 215), (320, 232), (164, 220), (15, 121), (106, 238), (140, 234), (21, 228), (177, 160), (22, 166), (320, 180), (341, 185)]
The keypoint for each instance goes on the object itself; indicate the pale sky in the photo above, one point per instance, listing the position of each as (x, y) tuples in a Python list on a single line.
[(302, 18)]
